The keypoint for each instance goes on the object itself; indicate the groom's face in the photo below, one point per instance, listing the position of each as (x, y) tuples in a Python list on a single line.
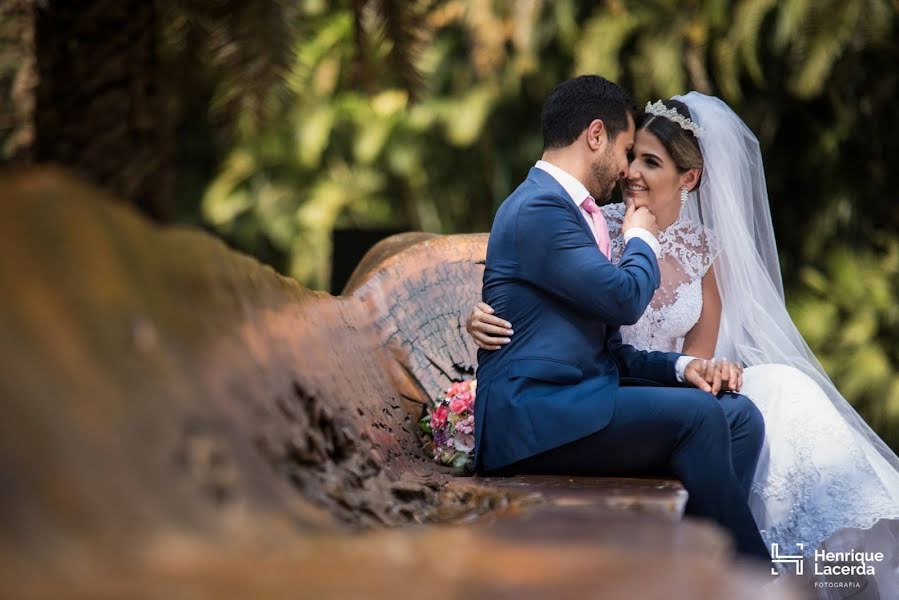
[(610, 165)]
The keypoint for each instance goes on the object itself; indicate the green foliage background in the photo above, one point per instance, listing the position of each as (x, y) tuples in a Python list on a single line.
[(357, 141)]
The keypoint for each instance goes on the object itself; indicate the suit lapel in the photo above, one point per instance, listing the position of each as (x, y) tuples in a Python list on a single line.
[(548, 182)]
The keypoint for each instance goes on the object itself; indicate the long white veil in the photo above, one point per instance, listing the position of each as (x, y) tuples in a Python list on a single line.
[(756, 329)]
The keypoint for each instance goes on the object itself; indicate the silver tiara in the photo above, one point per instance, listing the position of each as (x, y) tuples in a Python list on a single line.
[(660, 110)]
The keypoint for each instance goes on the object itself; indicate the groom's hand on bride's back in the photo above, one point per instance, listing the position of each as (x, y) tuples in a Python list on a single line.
[(489, 331), (715, 375), (639, 217)]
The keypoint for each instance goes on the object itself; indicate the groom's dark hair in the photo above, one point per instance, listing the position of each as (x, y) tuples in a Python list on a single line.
[(574, 104)]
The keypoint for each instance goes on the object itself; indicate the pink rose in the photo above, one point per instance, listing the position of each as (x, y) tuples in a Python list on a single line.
[(438, 419), (458, 405)]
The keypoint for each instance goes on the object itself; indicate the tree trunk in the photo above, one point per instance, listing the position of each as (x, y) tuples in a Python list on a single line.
[(17, 81), (99, 109)]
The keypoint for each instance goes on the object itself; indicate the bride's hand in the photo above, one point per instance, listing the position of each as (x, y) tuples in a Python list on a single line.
[(728, 375), (489, 332), (714, 375), (733, 379)]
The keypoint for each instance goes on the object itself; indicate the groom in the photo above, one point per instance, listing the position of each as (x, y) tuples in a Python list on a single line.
[(550, 402)]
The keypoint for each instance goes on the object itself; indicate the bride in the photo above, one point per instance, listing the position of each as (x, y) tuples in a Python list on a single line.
[(825, 481)]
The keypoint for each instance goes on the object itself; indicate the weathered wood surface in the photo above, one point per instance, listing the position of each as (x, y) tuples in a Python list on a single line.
[(569, 554), (661, 498), (177, 382), (179, 420), (418, 288)]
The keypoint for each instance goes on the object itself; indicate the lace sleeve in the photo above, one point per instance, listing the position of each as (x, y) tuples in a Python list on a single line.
[(614, 215), (694, 246), (710, 248)]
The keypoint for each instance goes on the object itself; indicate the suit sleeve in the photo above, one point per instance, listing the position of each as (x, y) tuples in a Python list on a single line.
[(657, 367), (558, 256)]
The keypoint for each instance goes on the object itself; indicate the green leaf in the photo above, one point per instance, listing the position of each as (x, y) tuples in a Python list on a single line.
[(602, 39), (313, 133), (860, 328), (747, 23), (815, 318), (224, 200), (465, 119)]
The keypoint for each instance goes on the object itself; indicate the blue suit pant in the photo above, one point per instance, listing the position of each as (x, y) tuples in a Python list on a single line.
[(711, 444)]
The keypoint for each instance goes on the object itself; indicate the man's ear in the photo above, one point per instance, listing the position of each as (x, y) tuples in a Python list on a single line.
[(691, 178), (596, 135)]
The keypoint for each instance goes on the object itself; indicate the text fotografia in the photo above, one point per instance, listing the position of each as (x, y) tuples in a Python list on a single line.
[(835, 563)]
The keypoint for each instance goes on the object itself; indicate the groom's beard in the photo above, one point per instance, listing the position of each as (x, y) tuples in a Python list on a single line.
[(604, 178)]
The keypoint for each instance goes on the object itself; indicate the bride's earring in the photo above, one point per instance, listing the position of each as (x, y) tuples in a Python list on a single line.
[(683, 196)]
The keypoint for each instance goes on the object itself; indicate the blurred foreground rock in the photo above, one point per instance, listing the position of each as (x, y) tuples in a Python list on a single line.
[(179, 420)]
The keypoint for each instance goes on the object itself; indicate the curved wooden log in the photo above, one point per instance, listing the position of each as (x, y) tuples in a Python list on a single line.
[(175, 413), (419, 288), (176, 383), (383, 250), (556, 554)]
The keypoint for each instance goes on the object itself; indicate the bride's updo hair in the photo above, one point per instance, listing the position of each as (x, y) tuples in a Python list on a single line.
[(681, 144)]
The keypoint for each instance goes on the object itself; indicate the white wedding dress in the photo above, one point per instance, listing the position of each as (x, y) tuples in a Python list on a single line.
[(818, 481)]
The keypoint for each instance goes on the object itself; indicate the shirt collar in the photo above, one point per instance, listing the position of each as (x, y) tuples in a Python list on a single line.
[(569, 182)]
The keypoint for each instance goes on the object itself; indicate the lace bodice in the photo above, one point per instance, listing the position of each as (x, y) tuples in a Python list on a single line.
[(688, 250)]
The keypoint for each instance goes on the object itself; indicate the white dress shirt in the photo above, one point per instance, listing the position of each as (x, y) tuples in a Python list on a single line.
[(578, 193)]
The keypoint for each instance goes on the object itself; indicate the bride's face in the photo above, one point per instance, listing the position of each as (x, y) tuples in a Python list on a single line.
[(653, 179)]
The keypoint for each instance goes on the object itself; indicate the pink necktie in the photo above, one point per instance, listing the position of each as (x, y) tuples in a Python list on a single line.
[(602, 228)]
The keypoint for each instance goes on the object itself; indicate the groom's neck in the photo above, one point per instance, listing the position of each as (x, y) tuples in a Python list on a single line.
[(569, 161)]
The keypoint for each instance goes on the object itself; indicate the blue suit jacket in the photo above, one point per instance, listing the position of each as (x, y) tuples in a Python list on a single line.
[(555, 382)]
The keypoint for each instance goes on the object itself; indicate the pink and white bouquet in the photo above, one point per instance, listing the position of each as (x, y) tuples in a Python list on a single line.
[(450, 423)]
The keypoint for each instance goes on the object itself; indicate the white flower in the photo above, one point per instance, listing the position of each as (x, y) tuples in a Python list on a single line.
[(464, 442)]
